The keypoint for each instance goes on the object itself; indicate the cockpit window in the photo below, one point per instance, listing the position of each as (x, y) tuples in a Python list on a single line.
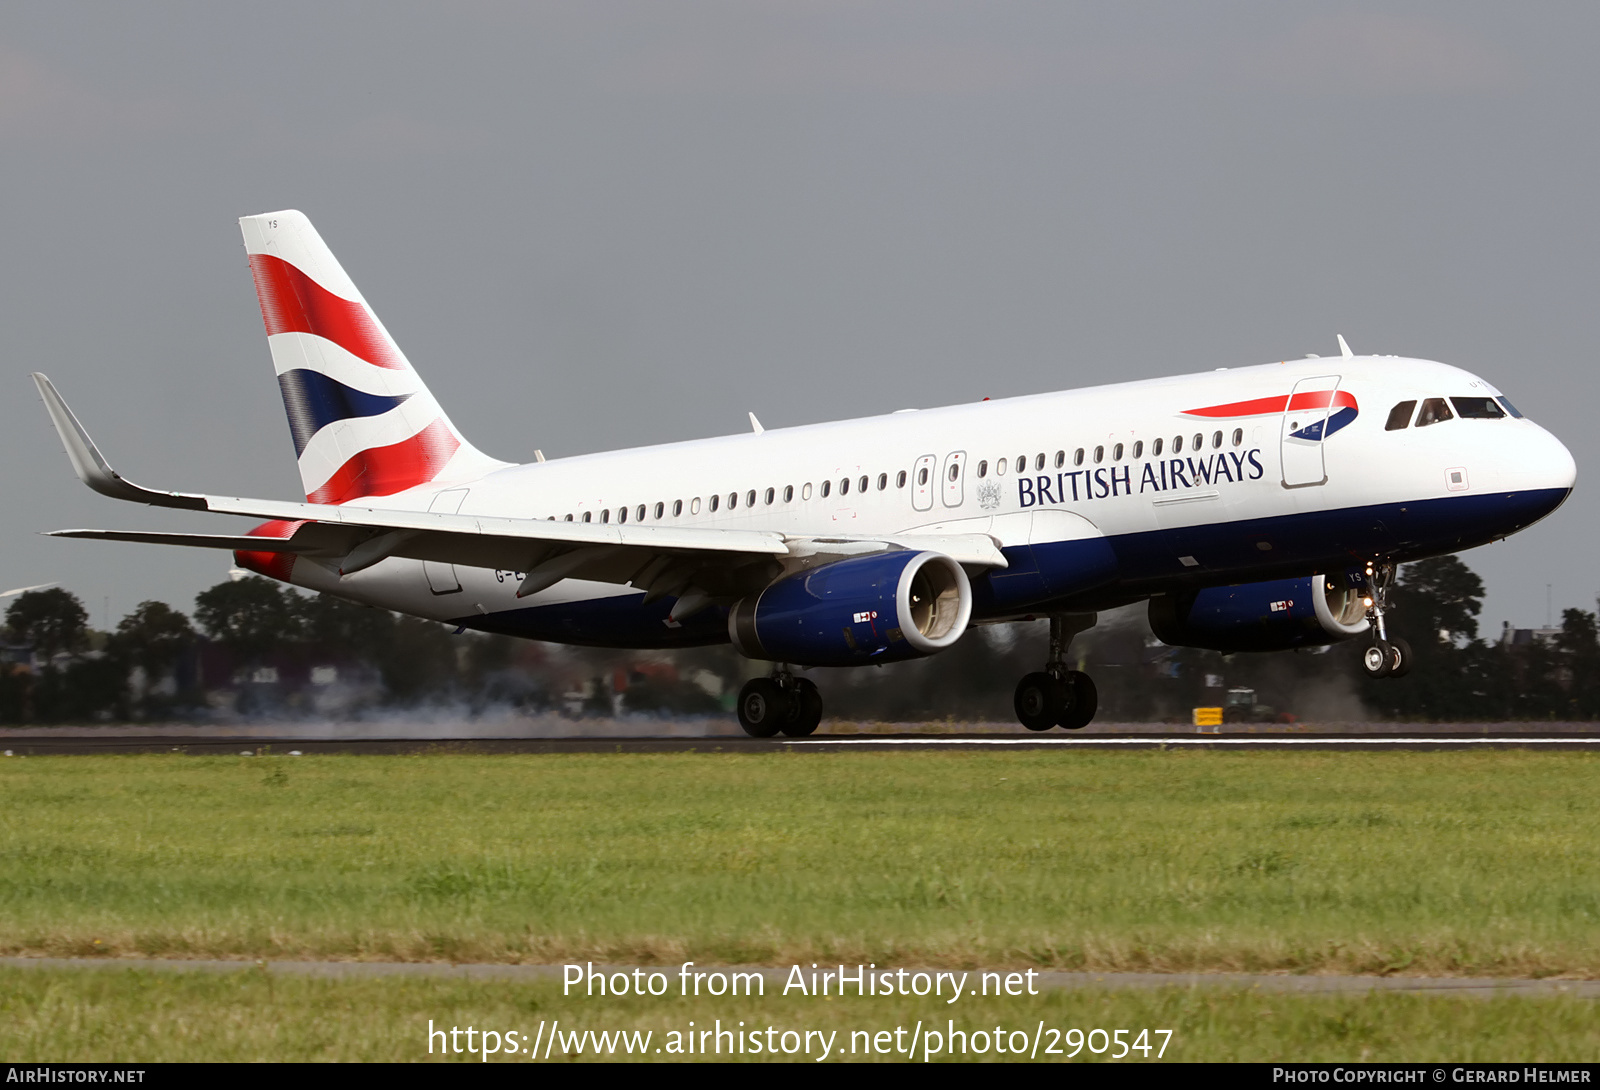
[(1477, 408), (1400, 416), (1510, 408), (1433, 411)]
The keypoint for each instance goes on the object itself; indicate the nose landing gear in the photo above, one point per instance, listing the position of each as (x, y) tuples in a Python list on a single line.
[(1057, 696), (780, 703), (1385, 657)]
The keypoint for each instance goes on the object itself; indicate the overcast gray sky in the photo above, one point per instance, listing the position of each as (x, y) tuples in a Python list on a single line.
[(595, 225)]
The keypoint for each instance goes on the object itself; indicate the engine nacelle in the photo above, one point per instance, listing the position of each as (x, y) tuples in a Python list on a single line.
[(1274, 616), (883, 607)]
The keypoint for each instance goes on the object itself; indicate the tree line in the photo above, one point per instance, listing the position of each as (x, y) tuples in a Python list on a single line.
[(159, 663)]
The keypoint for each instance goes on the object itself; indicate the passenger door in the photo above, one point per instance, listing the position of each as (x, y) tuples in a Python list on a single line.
[(953, 477), (1305, 421), (922, 483), (442, 577)]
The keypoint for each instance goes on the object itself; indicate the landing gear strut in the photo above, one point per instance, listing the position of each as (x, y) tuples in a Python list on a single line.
[(1057, 696), (1385, 657), (782, 702)]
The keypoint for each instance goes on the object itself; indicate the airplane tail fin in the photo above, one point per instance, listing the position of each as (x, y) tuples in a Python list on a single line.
[(363, 422)]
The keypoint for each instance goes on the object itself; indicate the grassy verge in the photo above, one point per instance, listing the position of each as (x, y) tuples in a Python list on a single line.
[(1478, 863), (132, 1016)]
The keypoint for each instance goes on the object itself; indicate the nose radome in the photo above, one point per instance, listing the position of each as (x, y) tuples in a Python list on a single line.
[(1557, 463)]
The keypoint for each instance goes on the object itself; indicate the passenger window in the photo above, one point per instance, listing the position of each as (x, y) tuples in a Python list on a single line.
[(716, 501), (827, 486), (788, 493), (750, 498), (1177, 444), (1510, 408), (1061, 458), (983, 469), (883, 481), (694, 506), (1116, 453), (805, 491), (1216, 441), (622, 514), (772, 494), (1477, 408), (587, 516), (861, 485), (1199, 441), (677, 508), (733, 500), (844, 486), (922, 478), (1138, 449), (1022, 463), (605, 516), (568, 519), (1400, 416), (900, 479), (1099, 455), (1077, 457), (1155, 449), (1433, 411), (638, 516), (661, 509), (1000, 467), (1038, 464), (1238, 436), (955, 471)]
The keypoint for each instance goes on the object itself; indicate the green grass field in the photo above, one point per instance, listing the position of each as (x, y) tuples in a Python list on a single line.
[(1421, 863), (133, 1016)]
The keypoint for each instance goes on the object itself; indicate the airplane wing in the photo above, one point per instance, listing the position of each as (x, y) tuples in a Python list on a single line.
[(698, 565)]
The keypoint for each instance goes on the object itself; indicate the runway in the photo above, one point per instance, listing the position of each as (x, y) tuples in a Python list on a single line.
[(1466, 987), (43, 743)]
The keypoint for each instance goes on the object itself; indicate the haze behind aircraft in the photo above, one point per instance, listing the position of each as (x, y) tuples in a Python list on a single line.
[(1256, 508)]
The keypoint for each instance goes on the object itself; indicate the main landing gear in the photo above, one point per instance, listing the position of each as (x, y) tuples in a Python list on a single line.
[(780, 703), (1057, 696), (1385, 657)]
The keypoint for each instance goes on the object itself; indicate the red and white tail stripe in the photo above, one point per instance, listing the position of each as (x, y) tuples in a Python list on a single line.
[(363, 422)]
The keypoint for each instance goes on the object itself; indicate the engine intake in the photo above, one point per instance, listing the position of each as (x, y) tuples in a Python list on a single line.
[(883, 607), (1310, 611)]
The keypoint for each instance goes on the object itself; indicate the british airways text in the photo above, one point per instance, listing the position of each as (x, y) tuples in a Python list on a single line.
[(1158, 476)]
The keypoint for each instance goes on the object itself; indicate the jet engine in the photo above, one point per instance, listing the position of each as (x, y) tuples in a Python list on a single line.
[(883, 607), (1273, 616)]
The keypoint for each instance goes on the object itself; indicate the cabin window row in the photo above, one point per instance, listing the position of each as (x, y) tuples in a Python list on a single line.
[(1116, 452), (751, 498)]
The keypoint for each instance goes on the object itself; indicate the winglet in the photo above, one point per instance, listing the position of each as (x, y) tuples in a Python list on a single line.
[(1344, 349), (755, 425), (90, 465)]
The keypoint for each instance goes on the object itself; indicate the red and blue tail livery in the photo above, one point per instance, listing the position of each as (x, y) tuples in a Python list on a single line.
[(362, 421)]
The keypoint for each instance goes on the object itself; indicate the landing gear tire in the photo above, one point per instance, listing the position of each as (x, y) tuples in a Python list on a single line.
[(1379, 659), (805, 708), (1083, 702), (763, 707), (1400, 655), (1039, 701)]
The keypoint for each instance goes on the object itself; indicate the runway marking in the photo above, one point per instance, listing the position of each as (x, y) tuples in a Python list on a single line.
[(1181, 740), (1302, 984)]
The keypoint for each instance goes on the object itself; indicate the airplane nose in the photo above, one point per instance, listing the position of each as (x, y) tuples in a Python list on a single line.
[(1563, 470)]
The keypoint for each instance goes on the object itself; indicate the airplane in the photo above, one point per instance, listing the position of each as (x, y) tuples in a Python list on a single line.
[(1254, 508)]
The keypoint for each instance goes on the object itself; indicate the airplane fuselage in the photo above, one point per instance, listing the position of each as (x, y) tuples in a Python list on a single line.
[(1088, 511)]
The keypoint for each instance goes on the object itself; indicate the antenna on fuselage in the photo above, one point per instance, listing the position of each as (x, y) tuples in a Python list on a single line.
[(1344, 349), (755, 425)]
